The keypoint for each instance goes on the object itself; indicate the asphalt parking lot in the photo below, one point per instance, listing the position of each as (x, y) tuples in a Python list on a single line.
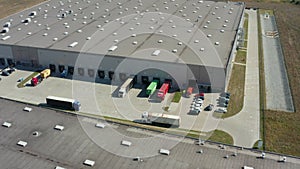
[(99, 99)]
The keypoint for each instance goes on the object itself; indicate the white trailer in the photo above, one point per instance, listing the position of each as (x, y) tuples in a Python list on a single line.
[(159, 118), (126, 86)]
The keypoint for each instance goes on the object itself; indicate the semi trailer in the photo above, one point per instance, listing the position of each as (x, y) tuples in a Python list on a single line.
[(126, 86), (161, 119), (64, 103), (163, 90), (152, 87)]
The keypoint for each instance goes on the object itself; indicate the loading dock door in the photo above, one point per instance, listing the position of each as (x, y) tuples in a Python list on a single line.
[(158, 81), (145, 79), (61, 68), (101, 74), (71, 70), (52, 68), (111, 75)]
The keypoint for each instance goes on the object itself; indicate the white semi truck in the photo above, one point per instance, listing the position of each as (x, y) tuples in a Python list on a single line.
[(126, 86), (161, 119)]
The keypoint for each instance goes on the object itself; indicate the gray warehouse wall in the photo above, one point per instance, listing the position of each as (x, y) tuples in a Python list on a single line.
[(26, 56), (6, 53)]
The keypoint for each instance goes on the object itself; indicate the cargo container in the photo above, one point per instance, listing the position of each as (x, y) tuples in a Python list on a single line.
[(45, 73), (126, 86), (64, 103), (152, 87), (163, 90), (161, 119)]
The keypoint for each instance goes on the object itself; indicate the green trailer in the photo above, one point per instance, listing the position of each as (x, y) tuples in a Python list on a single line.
[(152, 87)]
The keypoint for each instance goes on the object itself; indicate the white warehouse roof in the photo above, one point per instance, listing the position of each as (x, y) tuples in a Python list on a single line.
[(188, 29)]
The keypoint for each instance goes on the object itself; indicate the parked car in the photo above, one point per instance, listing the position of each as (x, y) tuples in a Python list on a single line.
[(209, 107), (221, 110), (5, 73)]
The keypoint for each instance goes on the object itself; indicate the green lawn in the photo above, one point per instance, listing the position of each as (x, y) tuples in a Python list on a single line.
[(222, 137), (236, 89), (177, 97), (241, 57), (22, 84)]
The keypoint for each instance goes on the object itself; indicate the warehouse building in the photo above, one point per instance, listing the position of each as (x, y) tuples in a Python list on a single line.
[(186, 42)]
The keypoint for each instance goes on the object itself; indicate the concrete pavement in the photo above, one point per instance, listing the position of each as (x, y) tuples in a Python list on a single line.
[(244, 127)]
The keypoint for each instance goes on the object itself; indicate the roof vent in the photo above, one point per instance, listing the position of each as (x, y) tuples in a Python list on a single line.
[(189, 31), (5, 30), (160, 31), (184, 15), (100, 125), (126, 143), (174, 26), (166, 8), (164, 151), (174, 35), (45, 34), (59, 127), (134, 42), (230, 12), (79, 30), (222, 30), (116, 40), (33, 13), (208, 22), (22, 143), (226, 21), (196, 41), (72, 45), (68, 26), (6, 124), (29, 33), (194, 11), (55, 39), (224, 25), (27, 20), (88, 38), (133, 35), (102, 29), (84, 22), (7, 24), (58, 167), (156, 53), (151, 27), (179, 43), (213, 13), (209, 35), (200, 16), (204, 26), (217, 43), (202, 49), (113, 48), (98, 26), (89, 163), (218, 17), (66, 33), (131, 29), (160, 41), (184, 7), (174, 50), (19, 29)]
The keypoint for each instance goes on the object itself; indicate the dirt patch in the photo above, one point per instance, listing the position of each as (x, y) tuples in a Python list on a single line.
[(9, 7)]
